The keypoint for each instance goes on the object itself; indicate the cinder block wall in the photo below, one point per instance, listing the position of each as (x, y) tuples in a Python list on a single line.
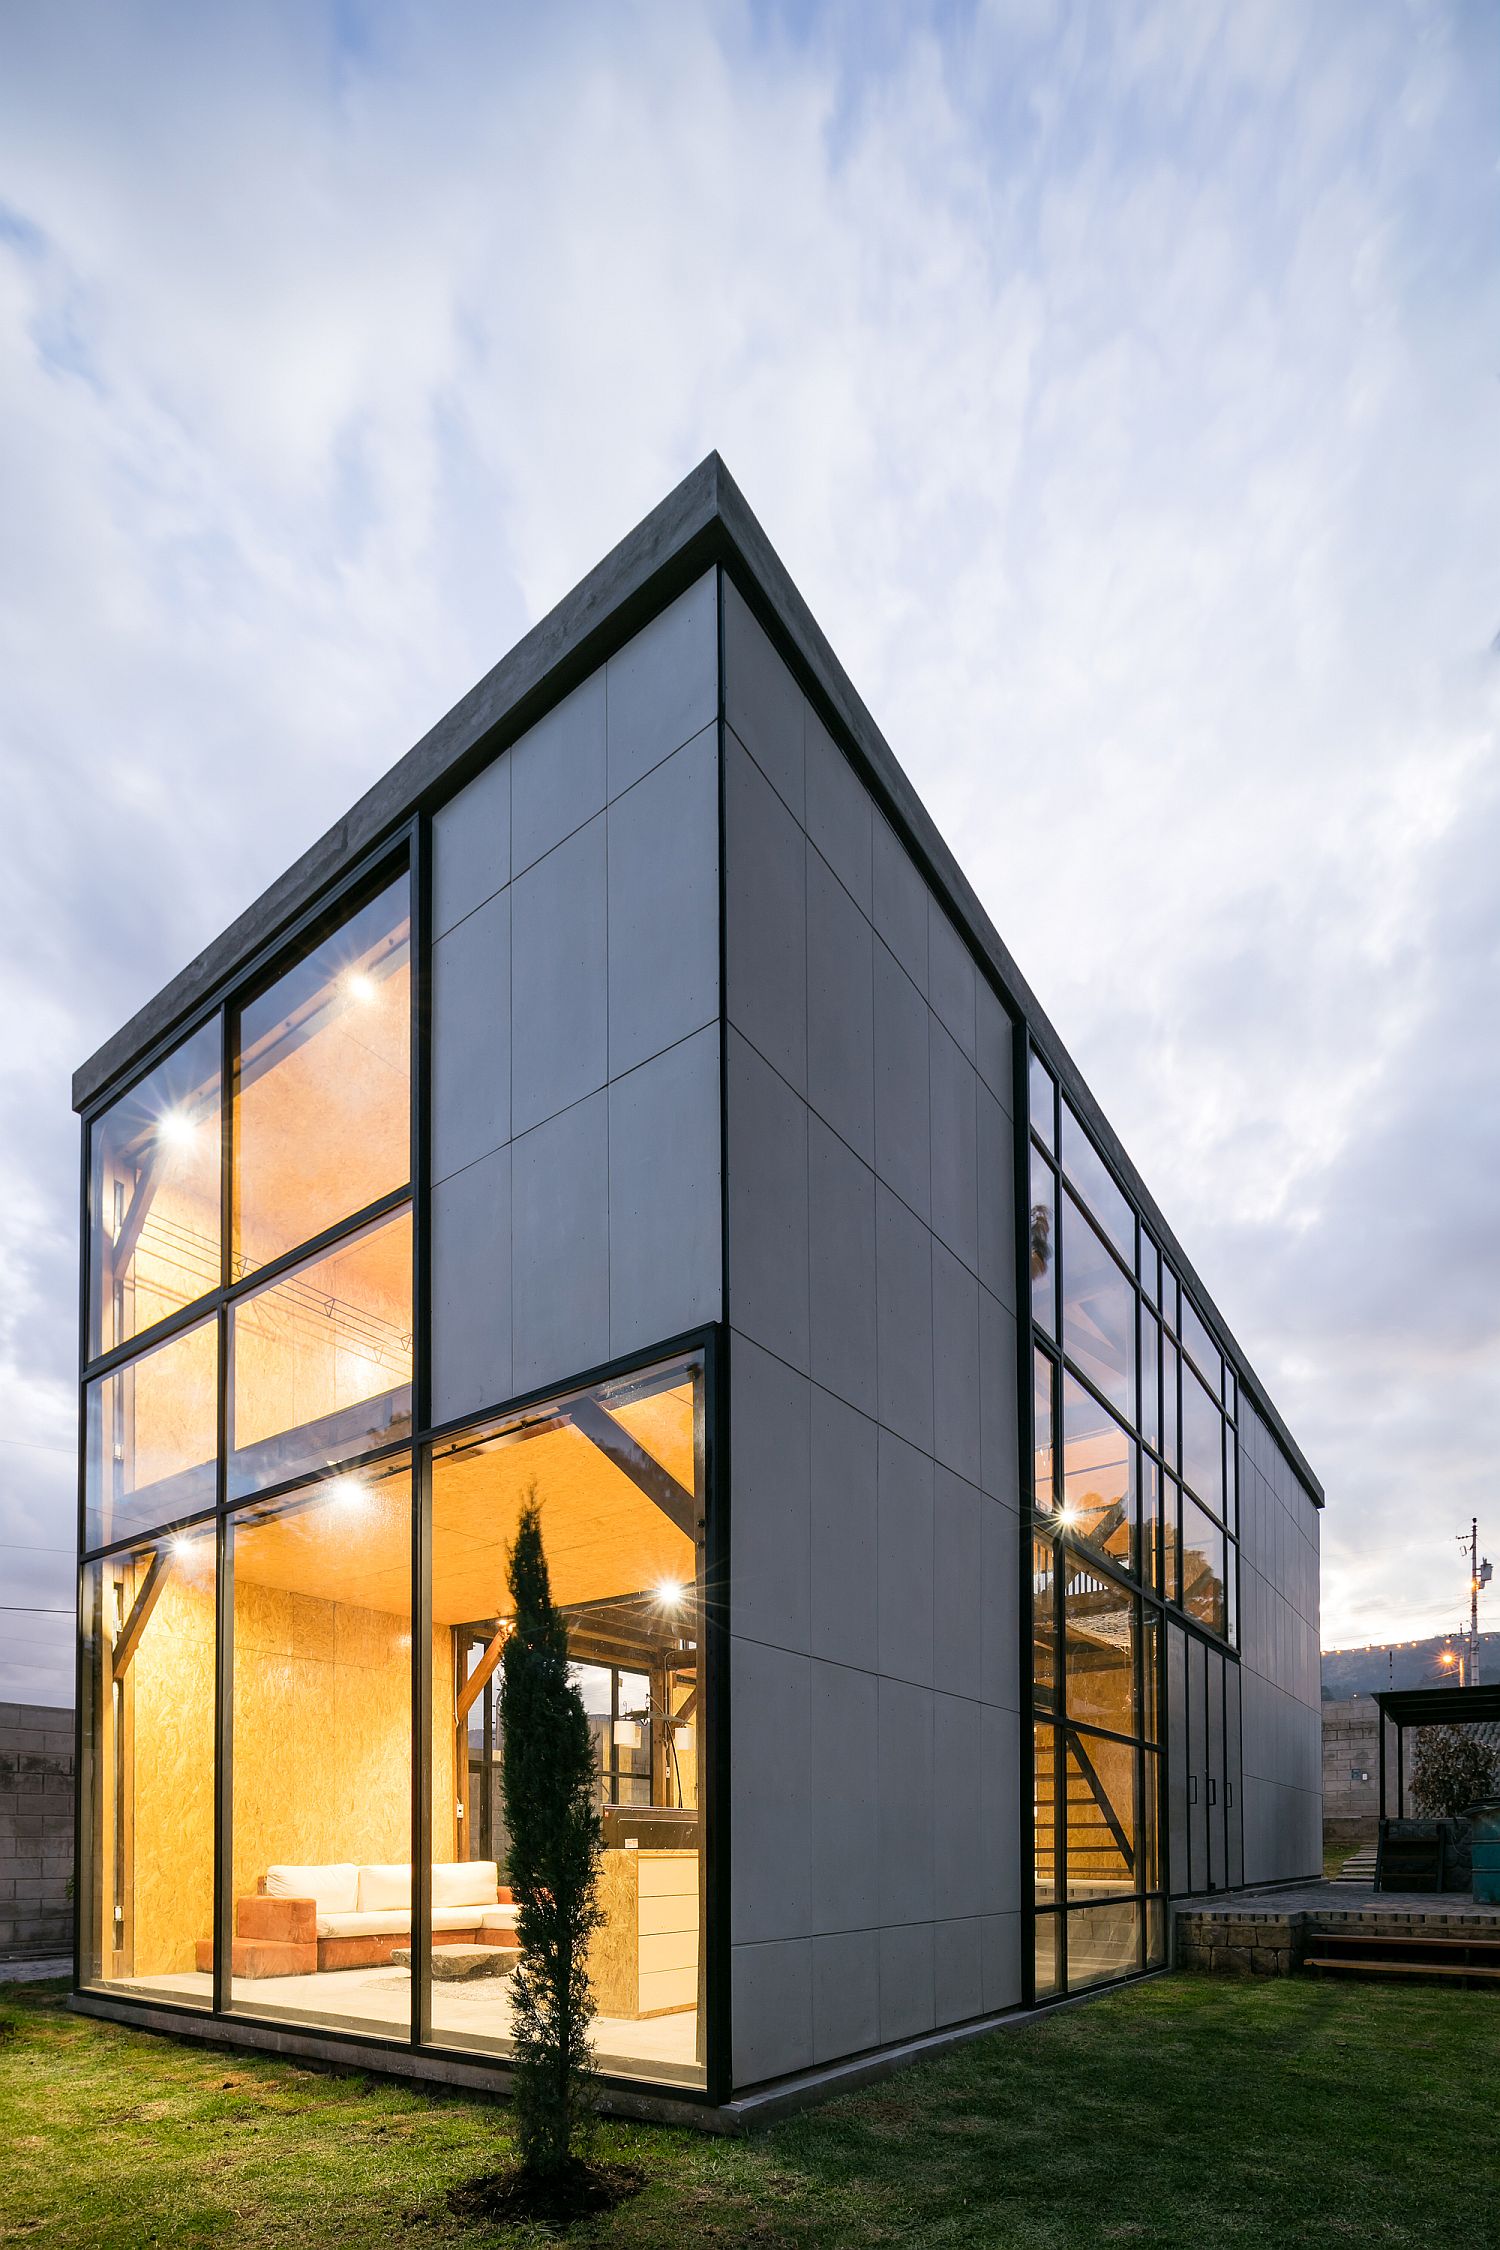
[(1351, 1808), (36, 1830), (871, 1298)]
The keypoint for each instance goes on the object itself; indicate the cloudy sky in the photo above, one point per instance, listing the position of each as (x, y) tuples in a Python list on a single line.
[(1120, 384)]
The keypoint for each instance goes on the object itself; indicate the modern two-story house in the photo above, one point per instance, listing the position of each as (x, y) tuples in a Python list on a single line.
[(630, 1102)]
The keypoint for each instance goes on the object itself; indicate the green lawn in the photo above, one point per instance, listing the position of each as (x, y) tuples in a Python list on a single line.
[(1181, 2111)]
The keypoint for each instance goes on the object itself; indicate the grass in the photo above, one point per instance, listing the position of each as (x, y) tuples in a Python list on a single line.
[(1182, 2111)]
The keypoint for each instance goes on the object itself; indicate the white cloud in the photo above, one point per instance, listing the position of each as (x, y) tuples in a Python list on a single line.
[(1113, 384)]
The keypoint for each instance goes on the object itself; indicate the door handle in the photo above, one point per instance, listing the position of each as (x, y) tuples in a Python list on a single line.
[(1192, 1789), (1213, 1790), (1229, 1793)]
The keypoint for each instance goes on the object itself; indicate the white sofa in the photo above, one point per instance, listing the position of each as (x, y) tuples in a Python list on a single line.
[(341, 1915), (375, 1901)]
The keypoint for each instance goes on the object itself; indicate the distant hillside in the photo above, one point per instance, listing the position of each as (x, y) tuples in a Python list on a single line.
[(1361, 1671)]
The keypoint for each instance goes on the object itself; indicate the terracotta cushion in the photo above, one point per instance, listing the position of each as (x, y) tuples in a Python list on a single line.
[(261, 1957), (292, 1920)]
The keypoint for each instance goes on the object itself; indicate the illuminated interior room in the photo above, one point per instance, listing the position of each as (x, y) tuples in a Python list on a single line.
[(630, 1104)]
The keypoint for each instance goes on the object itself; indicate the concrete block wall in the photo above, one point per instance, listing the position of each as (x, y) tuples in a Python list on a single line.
[(875, 1855), (1281, 1694), (576, 1202), (36, 1831), (1351, 1747)]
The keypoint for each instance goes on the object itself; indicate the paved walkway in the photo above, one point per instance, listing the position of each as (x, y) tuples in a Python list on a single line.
[(1334, 1900)]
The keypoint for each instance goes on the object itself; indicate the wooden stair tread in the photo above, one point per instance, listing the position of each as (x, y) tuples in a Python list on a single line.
[(1407, 1968), (1405, 1938)]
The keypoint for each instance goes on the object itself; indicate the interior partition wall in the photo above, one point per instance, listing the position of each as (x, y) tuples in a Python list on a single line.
[(294, 1601)]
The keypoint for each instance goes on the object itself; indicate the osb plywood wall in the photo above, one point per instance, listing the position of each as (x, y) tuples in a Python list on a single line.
[(322, 1766), (172, 1723), (322, 1733), (330, 1337)]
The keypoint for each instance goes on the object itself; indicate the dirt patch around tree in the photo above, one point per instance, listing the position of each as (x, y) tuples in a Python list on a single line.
[(582, 2191)]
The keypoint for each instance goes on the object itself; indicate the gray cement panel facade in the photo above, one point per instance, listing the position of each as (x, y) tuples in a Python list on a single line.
[(575, 1029), (1281, 1708), (875, 1878)]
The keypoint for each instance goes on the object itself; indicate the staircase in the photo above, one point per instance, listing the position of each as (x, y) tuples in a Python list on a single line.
[(1359, 1868), (1098, 1857), (1448, 1959)]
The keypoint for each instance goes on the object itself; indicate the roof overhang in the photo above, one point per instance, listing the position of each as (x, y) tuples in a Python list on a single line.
[(1438, 1706)]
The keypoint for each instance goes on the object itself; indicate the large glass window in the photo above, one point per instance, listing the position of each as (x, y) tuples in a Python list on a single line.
[(1101, 1777), (1104, 1942), (1098, 1476), (1133, 1411), (1202, 1442), (1203, 1567), (1095, 1182), (1099, 1311), (321, 1360), (322, 1094), (321, 1830), (1043, 1244), (154, 1192), (147, 1801), (1044, 1416), (1044, 1813), (1200, 1347), (1043, 1099), (152, 1439), (1043, 1623), (618, 1474), (1099, 1622)]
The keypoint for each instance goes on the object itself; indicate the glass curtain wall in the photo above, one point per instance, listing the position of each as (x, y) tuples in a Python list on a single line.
[(252, 1545), (322, 1792), (248, 1324), (1133, 1507), (617, 1472), (147, 1617)]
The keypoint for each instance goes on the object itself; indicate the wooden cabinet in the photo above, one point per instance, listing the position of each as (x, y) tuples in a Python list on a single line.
[(644, 1960)]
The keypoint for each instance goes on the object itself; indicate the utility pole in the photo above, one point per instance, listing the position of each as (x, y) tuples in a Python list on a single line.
[(1480, 1574)]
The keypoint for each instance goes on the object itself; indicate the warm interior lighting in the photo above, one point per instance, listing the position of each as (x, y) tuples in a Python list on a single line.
[(357, 986), (669, 1594), (348, 1492), (183, 1548), (175, 1128)]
